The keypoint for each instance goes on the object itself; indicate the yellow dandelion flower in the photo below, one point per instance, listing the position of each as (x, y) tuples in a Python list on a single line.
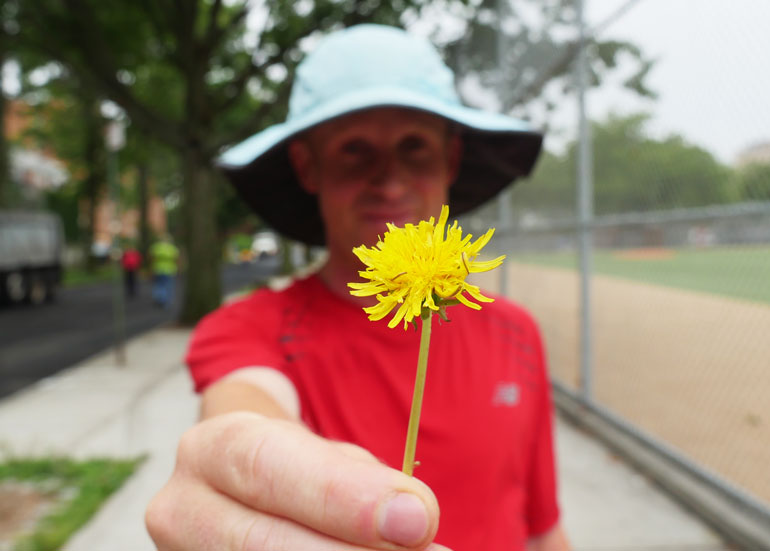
[(421, 267)]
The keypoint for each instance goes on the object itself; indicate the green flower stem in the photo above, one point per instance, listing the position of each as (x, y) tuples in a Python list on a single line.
[(419, 387)]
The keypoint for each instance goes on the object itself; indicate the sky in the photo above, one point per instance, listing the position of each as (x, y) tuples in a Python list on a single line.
[(711, 72)]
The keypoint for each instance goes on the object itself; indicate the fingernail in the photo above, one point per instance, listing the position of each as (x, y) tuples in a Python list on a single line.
[(403, 520)]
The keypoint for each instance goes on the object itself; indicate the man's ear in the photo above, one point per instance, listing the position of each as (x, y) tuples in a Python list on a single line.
[(301, 159), (454, 155)]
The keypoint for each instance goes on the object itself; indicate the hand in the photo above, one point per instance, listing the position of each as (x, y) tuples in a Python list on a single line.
[(246, 482)]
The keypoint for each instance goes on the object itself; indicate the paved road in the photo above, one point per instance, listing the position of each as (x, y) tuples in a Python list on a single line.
[(36, 342)]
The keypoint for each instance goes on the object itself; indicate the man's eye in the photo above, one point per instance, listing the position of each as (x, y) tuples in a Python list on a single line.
[(356, 149), (413, 145)]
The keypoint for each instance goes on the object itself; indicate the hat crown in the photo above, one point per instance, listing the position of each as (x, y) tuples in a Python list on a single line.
[(369, 57)]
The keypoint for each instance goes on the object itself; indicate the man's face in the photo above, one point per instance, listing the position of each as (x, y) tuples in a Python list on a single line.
[(377, 166)]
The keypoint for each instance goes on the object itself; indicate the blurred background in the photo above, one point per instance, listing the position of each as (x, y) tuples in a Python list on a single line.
[(641, 242)]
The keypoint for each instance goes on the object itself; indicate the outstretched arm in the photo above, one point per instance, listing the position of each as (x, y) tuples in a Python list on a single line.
[(260, 480)]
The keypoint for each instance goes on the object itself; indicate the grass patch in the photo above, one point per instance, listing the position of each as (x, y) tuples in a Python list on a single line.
[(81, 276), (738, 272), (78, 487)]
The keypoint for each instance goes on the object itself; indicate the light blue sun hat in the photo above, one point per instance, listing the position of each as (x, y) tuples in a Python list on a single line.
[(365, 67)]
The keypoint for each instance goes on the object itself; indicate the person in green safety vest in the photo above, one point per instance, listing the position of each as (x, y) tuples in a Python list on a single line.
[(164, 262)]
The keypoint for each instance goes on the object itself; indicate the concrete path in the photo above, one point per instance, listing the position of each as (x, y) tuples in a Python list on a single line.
[(100, 409)]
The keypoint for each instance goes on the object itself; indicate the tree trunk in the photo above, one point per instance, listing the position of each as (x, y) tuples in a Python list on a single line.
[(202, 292), (143, 185), (5, 173), (95, 180)]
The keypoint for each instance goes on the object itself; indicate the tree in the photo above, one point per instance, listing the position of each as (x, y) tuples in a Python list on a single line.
[(752, 182), (632, 172), (524, 51), (187, 73), (210, 86), (65, 118), (8, 29)]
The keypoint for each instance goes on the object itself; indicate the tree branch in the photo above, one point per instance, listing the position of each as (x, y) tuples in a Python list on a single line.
[(160, 25), (87, 55), (240, 80), (535, 86), (214, 32), (562, 63), (213, 16), (252, 124), (184, 29)]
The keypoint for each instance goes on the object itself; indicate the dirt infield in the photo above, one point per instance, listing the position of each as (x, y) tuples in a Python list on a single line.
[(691, 369)]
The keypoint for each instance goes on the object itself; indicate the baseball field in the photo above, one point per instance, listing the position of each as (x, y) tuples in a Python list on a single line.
[(681, 345)]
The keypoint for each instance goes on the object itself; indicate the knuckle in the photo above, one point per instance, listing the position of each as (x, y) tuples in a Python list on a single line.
[(264, 536), (241, 535), (158, 518), (333, 491), (187, 448), (262, 473)]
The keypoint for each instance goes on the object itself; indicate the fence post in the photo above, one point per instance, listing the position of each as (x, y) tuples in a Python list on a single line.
[(506, 233), (115, 139), (585, 212), (504, 198)]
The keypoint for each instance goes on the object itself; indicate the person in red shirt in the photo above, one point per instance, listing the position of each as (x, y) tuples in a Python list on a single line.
[(304, 401), (130, 261)]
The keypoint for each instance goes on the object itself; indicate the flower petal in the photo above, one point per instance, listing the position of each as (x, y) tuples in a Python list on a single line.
[(410, 268)]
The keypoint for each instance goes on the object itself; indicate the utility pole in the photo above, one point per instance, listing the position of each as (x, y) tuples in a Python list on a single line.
[(504, 198), (585, 211), (115, 139)]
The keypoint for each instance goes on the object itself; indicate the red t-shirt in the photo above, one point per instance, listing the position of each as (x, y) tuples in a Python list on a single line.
[(131, 259), (485, 442)]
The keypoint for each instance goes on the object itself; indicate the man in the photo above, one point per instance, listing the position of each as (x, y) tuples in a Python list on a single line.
[(304, 401), (130, 261), (164, 258)]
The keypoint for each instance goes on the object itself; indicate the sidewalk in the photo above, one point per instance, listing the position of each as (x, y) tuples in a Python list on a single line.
[(100, 409)]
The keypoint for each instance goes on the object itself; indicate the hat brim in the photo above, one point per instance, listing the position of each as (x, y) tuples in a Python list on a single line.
[(497, 150)]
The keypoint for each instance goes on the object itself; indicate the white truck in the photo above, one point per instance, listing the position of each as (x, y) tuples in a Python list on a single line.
[(31, 253)]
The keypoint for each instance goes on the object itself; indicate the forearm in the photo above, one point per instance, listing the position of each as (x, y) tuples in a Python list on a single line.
[(553, 540), (228, 396)]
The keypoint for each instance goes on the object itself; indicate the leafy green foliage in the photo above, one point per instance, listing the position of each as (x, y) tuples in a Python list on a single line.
[(537, 46), (752, 182), (90, 482), (632, 172), (191, 76), (64, 202)]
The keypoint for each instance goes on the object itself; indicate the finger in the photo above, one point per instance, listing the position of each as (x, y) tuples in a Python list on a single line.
[(283, 469), (196, 518)]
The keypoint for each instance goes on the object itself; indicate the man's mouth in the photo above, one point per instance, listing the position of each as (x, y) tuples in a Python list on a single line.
[(396, 217)]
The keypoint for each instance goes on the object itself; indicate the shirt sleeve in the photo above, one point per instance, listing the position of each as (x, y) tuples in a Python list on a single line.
[(241, 334), (542, 503)]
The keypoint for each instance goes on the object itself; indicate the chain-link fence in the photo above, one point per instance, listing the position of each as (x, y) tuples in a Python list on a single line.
[(670, 329)]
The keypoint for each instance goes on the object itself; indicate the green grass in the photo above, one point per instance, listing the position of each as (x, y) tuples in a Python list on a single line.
[(85, 485), (81, 276), (739, 272)]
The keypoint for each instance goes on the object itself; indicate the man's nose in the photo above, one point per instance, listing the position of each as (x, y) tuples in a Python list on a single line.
[(390, 177)]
